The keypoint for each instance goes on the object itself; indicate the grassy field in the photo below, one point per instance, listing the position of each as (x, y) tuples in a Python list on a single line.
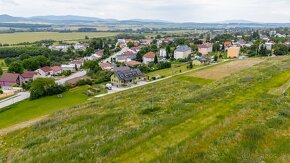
[(181, 119), (169, 71), (19, 37), (27, 110)]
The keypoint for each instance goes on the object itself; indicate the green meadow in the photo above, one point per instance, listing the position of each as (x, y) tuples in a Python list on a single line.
[(181, 119), (27, 110)]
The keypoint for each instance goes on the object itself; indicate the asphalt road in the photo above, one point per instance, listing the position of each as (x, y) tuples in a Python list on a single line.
[(14, 99), (74, 75)]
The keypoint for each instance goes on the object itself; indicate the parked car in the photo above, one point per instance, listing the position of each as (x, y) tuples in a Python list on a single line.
[(109, 86)]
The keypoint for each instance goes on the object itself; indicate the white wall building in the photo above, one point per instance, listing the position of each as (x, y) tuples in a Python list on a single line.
[(182, 52)]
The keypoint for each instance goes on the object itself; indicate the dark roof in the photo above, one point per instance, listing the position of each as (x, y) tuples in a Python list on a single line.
[(28, 74), (202, 59), (128, 74), (182, 48), (122, 68), (9, 77)]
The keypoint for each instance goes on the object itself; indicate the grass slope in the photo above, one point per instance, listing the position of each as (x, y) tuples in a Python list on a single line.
[(28, 110), (229, 120)]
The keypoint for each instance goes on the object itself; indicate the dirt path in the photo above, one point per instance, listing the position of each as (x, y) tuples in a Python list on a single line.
[(21, 125)]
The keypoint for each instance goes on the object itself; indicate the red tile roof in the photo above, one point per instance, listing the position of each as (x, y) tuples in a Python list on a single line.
[(28, 74), (227, 43), (45, 69), (56, 68), (129, 52), (105, 65), (9, 77), (150, 55), (133, 63)]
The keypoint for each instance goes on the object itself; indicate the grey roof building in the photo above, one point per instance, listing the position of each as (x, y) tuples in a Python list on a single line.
[(183, 48)]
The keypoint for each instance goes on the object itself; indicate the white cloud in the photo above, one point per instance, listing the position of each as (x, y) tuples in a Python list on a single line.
[(172, 10)]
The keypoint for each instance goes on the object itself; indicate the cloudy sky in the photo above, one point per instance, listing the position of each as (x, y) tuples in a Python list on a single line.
[(170, 10)]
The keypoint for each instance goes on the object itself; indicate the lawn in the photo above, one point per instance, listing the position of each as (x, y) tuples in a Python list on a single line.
[(169, 71), (19, 37), (28, 110), (181, 119)]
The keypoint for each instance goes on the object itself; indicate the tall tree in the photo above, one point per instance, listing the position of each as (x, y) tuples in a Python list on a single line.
[(155, 59), (16, 67)]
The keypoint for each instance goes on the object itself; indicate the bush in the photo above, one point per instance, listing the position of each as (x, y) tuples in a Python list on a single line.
[(66, 72), (45, 87)]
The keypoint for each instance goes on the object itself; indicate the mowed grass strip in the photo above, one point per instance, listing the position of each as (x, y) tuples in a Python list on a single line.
[(227, 69)]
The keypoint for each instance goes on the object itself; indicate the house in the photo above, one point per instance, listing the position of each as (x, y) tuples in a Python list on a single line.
[(162, 53), (81, 47), (68, 67), (201, 61), (56, 70), (227, 45), (149, 57), (77, 63), (10, 79), (96, 56), (126, 56), (45, 72), (133, 63), (146, 41), (269, 45), (121, 43), (28, 76), (106, 66), (205, 49), (182, 52), (233, 52), (63, 47), (126, 76)]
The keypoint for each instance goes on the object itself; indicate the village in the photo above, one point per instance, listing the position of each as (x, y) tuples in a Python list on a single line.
[(135, 61)]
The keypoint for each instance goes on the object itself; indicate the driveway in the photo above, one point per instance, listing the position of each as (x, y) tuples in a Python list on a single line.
[(14, 99), (74, 75)]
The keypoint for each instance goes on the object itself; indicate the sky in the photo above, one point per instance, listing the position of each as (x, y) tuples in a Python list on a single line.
[(276, 11)]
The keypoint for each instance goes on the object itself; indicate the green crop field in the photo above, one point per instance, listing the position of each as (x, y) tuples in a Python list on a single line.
[(19, 37), (181, 119)]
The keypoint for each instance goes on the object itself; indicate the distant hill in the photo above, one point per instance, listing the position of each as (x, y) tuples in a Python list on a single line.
[(8, 19), (237, 22)]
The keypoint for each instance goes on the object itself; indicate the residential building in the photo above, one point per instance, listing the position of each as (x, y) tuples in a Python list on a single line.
[(106, 66), (205, 49), (269, 45), (182, 52), (81, 47), (126, 56), (63, 47), (133, 63), (28, 76), (10, 79), (126, 77), (121, 43), (56, 70), (68, 67), (149, 57), (233, 52), (77, 63), (227, 45), (201, 61), (44, 72), (162, 53)]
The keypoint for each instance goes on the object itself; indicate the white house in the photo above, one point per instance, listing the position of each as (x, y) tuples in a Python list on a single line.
[(44, 72), (182, 52), (68, 67), (269, 45), (81, 47), (149, 57), (63, 47), (162, 53)]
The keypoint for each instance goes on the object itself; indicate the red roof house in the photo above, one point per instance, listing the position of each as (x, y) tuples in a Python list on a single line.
[(10, 79)]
